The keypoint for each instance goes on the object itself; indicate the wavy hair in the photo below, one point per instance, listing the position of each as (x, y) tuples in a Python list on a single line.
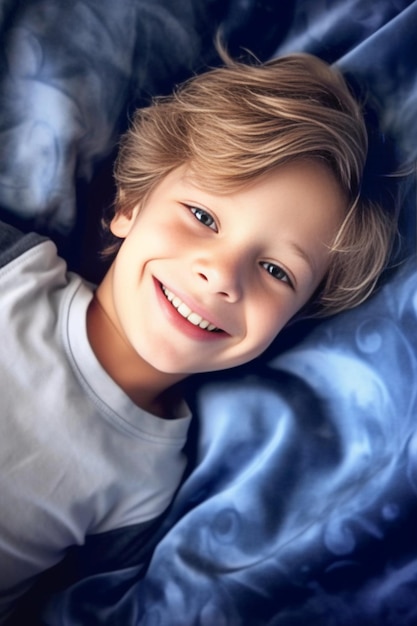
[(237, 122)]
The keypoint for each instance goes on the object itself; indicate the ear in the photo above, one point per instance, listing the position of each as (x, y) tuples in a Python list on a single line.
[(122, 223)]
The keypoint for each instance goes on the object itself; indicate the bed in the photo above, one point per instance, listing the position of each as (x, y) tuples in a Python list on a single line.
[(299, 505)]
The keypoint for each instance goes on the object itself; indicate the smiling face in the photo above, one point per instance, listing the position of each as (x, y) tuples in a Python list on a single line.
[(205, 281)]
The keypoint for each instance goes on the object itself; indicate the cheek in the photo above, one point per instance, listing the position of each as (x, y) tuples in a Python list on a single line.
[(162, 234), (265, 322)]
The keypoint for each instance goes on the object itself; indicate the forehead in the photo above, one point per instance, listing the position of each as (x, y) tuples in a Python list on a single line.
[(223, 182), (303, 178)]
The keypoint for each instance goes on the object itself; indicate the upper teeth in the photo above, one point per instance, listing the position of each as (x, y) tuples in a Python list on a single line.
[(186, 312)]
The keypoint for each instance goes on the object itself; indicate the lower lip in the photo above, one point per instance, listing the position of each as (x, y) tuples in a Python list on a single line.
[(179, 322)]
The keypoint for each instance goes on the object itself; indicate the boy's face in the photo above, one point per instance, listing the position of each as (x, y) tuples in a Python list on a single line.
[(244, 263)]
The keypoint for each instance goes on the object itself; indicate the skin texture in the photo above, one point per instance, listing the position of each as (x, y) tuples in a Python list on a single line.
[(246, 262)]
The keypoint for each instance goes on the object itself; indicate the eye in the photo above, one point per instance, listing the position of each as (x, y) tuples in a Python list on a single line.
[(205, 218), (277, 272)]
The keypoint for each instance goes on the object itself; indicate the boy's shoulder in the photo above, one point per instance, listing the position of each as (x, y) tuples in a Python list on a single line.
[(14, 243)]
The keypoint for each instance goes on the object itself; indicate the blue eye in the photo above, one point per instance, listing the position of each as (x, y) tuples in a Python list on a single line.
[(205, 218), (277, 272)]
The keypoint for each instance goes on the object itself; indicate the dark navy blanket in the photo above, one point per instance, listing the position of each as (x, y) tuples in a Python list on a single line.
[(300, 502)]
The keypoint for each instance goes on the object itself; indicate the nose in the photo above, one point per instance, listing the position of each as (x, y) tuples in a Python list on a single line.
[(222, 275)]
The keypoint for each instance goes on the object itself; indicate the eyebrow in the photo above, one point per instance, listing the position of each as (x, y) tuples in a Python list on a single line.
[(300, 252)]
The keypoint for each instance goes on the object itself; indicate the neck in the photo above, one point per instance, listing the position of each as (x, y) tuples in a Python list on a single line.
[(148, 388)]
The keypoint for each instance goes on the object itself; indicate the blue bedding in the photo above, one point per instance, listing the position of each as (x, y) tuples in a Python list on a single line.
[(300, 501)]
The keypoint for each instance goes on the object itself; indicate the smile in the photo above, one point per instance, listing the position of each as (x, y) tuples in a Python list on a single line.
[(187, 313)]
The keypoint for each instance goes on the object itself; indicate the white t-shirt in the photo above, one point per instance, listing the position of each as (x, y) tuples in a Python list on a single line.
[(77, 456)]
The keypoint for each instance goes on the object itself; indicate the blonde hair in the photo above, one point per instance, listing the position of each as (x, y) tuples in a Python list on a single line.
[(235, 123)]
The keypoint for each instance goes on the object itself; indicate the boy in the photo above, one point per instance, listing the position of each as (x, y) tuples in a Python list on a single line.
[(238, 205)]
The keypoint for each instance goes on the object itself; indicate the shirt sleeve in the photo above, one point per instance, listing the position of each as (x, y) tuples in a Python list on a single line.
[(13, 242)]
